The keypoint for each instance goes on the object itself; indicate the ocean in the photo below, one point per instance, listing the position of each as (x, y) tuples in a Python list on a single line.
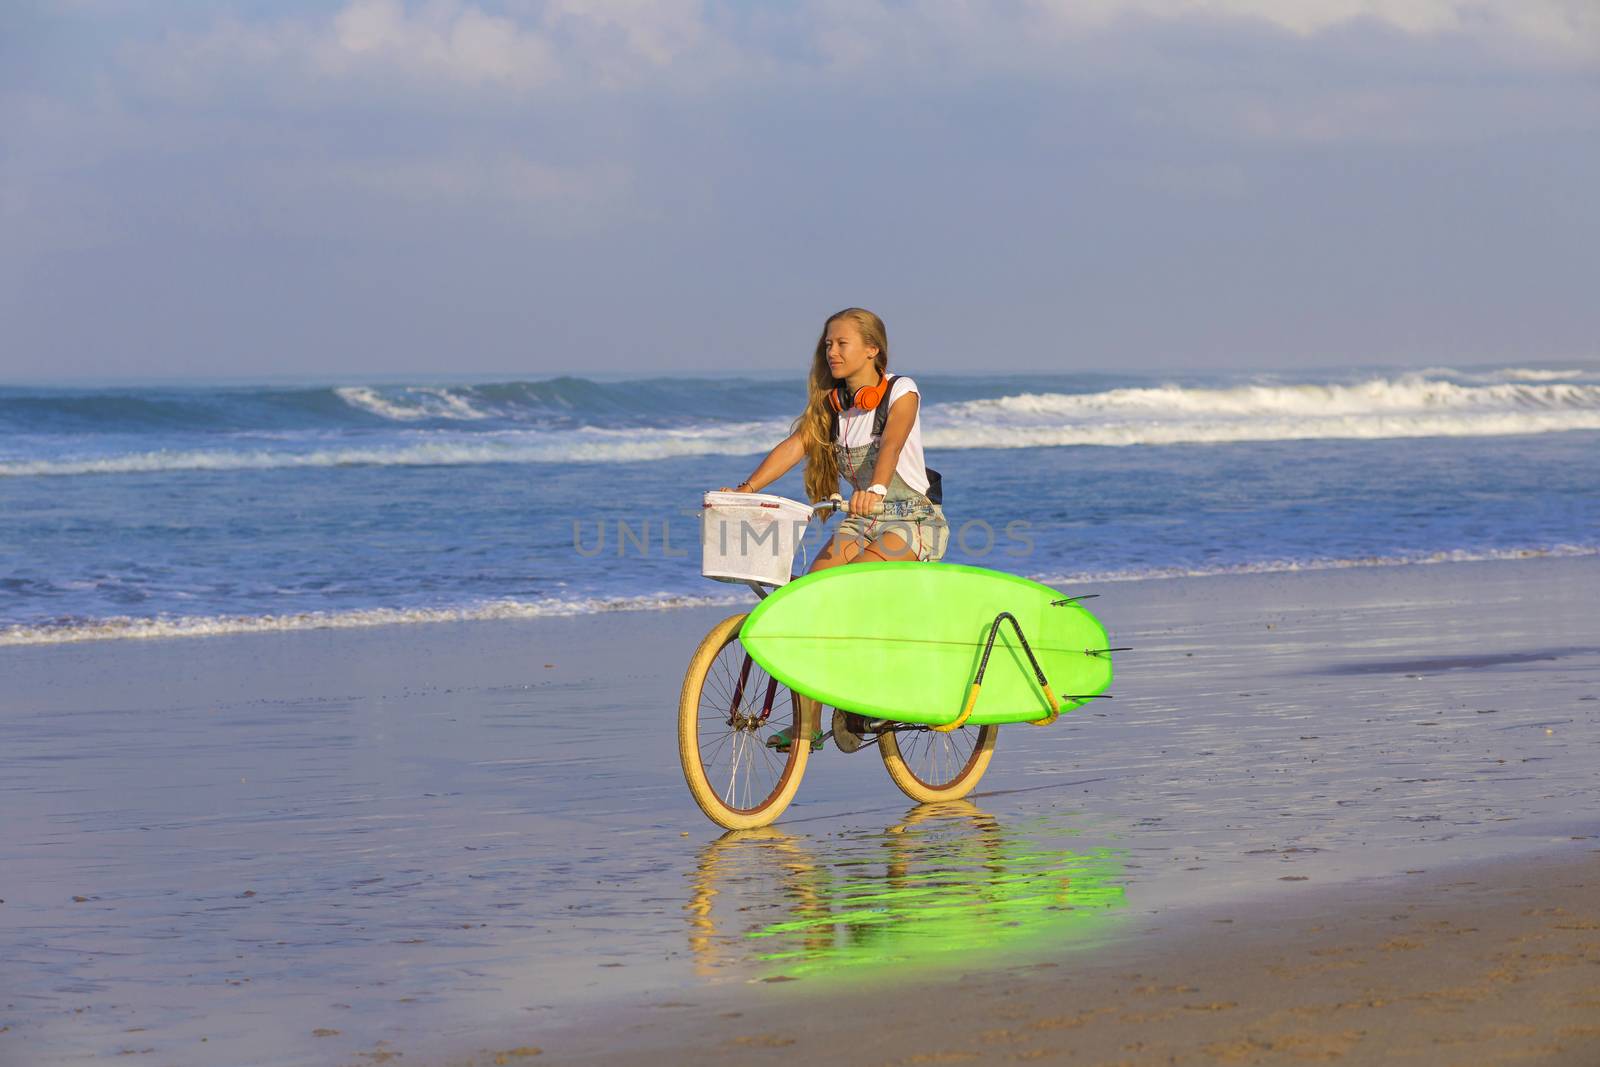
[(182, 511)]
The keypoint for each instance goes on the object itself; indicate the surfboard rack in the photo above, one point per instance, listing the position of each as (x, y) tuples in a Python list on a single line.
[(983, 665)]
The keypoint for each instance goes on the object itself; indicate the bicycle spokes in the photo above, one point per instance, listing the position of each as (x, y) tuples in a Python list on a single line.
[(736, 712)]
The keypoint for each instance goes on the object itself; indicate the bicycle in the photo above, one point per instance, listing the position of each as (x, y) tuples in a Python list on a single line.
[(729, 709), (745, 736)]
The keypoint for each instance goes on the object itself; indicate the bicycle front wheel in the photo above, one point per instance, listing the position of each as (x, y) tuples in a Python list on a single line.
[(729, 712), (930, 766)]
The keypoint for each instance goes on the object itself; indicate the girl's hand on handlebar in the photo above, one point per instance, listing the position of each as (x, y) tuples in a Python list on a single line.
[(863, 502)]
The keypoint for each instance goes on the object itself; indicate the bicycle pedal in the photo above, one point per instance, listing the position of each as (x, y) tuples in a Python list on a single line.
[(780, 741)]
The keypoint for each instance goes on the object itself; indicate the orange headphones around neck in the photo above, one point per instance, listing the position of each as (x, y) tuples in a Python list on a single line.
[(867, 397)]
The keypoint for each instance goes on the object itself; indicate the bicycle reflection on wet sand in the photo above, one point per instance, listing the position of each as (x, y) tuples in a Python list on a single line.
[(944, 884)]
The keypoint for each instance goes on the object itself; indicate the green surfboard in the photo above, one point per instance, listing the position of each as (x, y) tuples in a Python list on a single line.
[(903, 641)]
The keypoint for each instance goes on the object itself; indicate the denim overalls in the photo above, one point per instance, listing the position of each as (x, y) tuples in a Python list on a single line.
[(905, 511)]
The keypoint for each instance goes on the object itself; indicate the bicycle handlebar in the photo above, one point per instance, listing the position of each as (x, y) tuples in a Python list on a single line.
[(833, 503)]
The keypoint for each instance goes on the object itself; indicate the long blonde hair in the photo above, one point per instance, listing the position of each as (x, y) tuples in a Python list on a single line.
[(816, 422)]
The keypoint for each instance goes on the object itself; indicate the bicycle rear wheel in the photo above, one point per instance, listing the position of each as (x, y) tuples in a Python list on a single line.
[(930, 766), (728, 710)]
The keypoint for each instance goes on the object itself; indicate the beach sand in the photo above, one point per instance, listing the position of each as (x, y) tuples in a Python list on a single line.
[(460, 843), (1489, 964)]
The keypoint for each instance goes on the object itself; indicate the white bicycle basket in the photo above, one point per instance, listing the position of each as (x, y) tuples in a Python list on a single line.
[(750, 537)]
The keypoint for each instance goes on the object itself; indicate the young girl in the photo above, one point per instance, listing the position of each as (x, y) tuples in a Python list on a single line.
[(890, 515)]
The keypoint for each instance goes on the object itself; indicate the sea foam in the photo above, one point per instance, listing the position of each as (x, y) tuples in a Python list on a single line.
[(1292, 566), (131, 628), (1404, 406), (413, 404)]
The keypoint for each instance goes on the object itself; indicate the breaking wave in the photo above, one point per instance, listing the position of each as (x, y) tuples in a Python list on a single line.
[(577, 421), (589, 445)]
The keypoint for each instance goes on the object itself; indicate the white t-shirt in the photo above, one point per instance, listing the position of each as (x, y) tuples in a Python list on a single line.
[(855, 430)]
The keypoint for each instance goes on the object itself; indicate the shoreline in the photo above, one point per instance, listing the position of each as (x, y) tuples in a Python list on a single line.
[(170, 627)]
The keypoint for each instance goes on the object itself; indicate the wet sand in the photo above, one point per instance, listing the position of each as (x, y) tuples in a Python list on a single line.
[(453, 842), (1488, 964)]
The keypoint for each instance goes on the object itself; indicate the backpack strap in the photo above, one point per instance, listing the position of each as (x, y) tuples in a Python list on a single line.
[(880, 414)]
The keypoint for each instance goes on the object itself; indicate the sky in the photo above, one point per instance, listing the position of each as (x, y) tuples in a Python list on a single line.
[(527, 188)]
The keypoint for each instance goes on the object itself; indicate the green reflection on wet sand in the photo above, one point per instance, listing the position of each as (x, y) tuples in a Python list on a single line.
[(943, 887)]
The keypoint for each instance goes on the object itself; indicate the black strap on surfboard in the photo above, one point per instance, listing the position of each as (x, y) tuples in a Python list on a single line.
[(1053, 706), (994, 631)]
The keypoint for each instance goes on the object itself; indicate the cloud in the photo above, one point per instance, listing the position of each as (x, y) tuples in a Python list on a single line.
[(578, 46), (960, 40), (604, 45), (375, 42), (456, 44), (1012, 155), (567, 113), (654, 32), (1567, 26), (1307, 72)]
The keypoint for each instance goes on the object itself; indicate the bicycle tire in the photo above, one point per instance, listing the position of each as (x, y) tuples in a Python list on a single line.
[(930, 766), (735, 778)]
